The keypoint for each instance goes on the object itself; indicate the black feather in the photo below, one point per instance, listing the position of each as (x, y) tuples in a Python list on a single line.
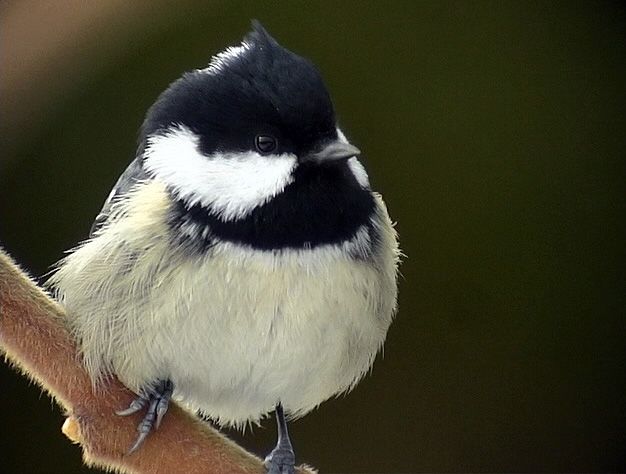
[(323, 205)]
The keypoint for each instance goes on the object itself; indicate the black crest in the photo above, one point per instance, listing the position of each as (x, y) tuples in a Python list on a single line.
[(264, 88)]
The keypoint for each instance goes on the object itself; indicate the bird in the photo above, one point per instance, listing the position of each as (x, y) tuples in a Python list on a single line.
[(242, 264)]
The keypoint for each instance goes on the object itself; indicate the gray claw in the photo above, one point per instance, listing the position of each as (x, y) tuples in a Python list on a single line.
[(136, 405), (138, 442), (163, 403), (158, 401), (161, 410)]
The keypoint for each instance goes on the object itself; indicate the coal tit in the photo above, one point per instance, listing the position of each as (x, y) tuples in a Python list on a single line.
[(241, 264)]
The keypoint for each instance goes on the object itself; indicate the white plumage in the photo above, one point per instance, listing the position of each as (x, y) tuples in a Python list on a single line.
[(237, 330)]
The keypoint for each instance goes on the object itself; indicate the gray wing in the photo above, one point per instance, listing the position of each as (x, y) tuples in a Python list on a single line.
[(134, 173)]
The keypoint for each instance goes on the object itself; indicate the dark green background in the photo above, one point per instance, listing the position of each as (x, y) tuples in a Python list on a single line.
[(496, 133)]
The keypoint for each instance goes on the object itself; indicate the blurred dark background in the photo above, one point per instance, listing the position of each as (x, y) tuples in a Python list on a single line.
[(496, 132)]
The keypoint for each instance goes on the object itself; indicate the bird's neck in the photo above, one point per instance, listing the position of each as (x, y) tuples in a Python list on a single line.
[(322, 206)]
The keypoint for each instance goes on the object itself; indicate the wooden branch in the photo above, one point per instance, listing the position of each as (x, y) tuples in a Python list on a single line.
[(34, 338)]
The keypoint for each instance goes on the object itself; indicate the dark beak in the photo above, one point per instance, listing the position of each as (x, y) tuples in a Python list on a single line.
[(333, 151)]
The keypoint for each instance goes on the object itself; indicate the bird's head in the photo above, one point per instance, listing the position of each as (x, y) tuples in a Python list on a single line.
[(255, 125)]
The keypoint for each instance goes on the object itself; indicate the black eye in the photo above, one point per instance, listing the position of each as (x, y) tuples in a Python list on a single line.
[(265, 144)]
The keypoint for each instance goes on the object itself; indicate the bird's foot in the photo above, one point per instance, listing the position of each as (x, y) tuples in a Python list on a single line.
[(157, 399), (281, 460)]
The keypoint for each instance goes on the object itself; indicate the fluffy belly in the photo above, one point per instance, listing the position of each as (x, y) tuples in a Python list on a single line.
[(238, 335), (236, 331)]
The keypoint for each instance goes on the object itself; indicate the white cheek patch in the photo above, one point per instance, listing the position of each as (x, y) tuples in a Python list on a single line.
[(229, 184), (358, 170)]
